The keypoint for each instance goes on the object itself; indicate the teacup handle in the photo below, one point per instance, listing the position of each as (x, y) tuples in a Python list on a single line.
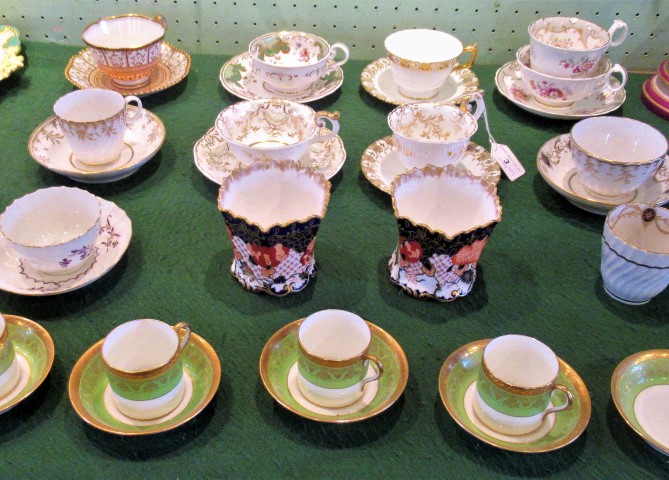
[(137, 112), (473, 50), (478, 105), (333, 53), (618, 25), (185, 326), (570, 401), (321, 118), (379, 369), (623, 73)]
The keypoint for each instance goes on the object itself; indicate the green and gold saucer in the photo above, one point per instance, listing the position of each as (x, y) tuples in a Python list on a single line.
[(458, 374), (90, 393), (35, 351), (280, 355), (640, 389)]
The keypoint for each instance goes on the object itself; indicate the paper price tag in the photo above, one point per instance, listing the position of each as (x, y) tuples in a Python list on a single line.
[(507, 160)]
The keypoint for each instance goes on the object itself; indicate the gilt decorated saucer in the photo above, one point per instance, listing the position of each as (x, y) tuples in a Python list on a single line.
[(10, 47)]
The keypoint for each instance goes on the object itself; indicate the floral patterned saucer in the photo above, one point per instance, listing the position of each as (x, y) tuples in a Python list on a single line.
[(377, 80), (380, 163), (143, 138), (215, 160), (457, 379), (237, 78), (512, 87), (557, 167), (91, 398), (278, 372), (35, 353), (82, 71), (112, 242), (10, 46)]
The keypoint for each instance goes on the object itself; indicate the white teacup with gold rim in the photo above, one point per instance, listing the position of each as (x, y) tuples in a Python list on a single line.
[(421, 60), (9, 369), (290, 62), (273, 129), (333, 359)]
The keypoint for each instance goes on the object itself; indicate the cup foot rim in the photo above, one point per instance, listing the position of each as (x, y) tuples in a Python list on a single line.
[(624, 300)]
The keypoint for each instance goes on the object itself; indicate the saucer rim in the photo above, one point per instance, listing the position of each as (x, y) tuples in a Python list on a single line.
[(580, 390), (47, 341), (83, 361), (236, 93), (377, 331)]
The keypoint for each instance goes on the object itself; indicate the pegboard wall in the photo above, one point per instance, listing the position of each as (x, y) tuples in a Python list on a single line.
[(226, 27)]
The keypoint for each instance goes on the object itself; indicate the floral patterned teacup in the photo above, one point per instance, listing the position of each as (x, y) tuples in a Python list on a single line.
[(444, 217), (10, 372), (562, 92), (52, 229), (570, 47), (273, 211), (290, 62), (94, 121), (126, 47)]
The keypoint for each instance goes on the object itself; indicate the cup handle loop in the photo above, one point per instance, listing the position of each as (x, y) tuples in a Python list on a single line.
[(321, 121), (333, 53), (570, 401), (161, 20), (379, 368), (185, 326), (132, 115), (473, 50), (475, 103), (618, 25), (623, 73)]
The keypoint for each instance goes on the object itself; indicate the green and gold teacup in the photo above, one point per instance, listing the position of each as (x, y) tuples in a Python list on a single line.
[(333, 360), (144, 368), (515, 385), (9, 370)]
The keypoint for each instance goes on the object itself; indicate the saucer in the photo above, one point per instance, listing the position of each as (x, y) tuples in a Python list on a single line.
[(215, 161), (459, 373), (279, 356), (174, 64), (112, 242), (381, 164), (512, 87), (640, 389), (556, 166), (34, 354), (91, 398), (10, 46), (237, 77), (377, 80), (143, 138)]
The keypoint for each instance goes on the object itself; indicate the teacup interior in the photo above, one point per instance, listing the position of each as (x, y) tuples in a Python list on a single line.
[(89, 105), (422, 45), (569, 33), (645, 227), (289, 49), (123, 32), (521, 361), (140, 345), (432, 123), (334, 335)]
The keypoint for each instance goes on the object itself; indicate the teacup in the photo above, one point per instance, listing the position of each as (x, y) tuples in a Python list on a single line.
[(421, 60), (562, 92), (272, 129), (94, 121), (444, 217), (126, 47), (570, 47), (635, 252), (615, 155), (53, 229), (272, 211), (516, 382), (290, 62), (433, 133), (144, 367), (10, 372), (333, 358)]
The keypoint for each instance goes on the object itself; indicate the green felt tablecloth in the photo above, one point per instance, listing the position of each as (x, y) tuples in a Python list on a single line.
[(539, 276)]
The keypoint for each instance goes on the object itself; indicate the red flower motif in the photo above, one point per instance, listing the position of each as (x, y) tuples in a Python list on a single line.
[(410, 252), (306, 258), (268, 258), (469, 253)]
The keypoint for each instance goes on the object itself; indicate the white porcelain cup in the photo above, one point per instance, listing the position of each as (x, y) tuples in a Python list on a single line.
[(421, 60), (635, 252), (93, 121), (144, 367), (10, 372), (53, 229), (433, 133)]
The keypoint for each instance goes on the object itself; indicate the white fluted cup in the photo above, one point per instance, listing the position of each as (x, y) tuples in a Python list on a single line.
[(635, 252), (9, 370)]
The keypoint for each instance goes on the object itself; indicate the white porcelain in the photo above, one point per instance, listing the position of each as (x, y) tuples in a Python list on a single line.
[(273, 129), (615, 155), (290, 62), (571, 47), (563, 92), (635, 252), (10, 374), (53, 229), (94, 122), (421, 60), (433, 133)]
